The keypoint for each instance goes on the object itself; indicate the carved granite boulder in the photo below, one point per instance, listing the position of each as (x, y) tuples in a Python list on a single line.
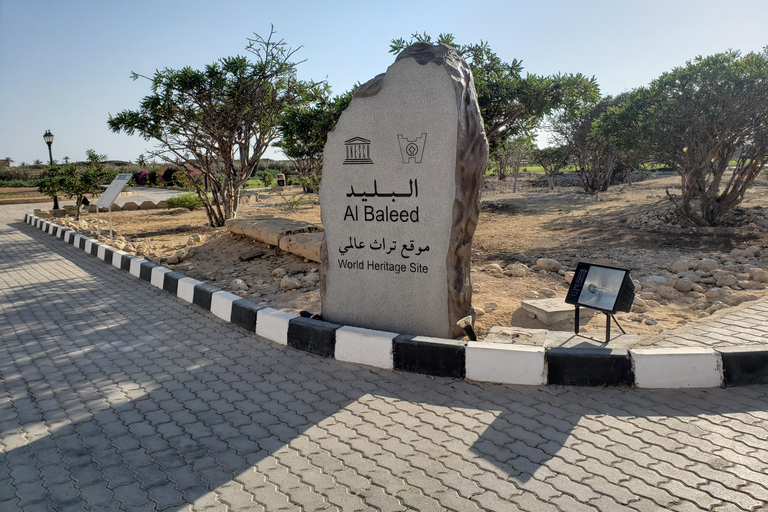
[(402, 174)]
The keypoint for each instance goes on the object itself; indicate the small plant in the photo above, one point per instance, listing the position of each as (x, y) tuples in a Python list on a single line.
[(189, 200), (295, 201), (267, 176)]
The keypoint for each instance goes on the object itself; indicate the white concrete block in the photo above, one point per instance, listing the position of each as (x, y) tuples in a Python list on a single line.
[(186, 288), (88, 244), (78, 237), (158, 276), (273, 324), (506, 363), (221, 304), (136, 266), (365, 346), (102, 252), (117, 257), (687, 367)]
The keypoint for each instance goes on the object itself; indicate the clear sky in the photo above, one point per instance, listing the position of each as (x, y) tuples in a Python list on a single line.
[(65, 65)]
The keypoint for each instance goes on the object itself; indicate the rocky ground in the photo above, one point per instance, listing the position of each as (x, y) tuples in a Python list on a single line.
[(525, 247)]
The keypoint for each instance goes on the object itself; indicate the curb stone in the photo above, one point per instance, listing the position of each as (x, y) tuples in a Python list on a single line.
[(690, 367)]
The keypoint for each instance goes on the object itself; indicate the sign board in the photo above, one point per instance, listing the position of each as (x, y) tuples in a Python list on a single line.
[(114, 188)]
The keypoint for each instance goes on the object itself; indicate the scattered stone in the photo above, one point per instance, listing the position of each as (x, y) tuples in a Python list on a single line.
[(195, 239), (568, 277), (728, 280), (516, 270), (289, 283), (239, 285), (278, 272), (735, 300), (650, 321), (668, 293), (548, 264), (490, 306), (548, 293), (532, 295), (684, 285), (478, 311), (252, 255), (752, 251), (717, 306), (759, 275), (680, 266), (173, 260), (716, 293), (310, 278), (650, 283), (475, 287), (492, 267), (707, 264)]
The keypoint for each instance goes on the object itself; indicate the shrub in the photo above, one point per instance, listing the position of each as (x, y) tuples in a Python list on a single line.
[(169, 177), (141, 178), (189, 200), (19, 178), (152, 177)]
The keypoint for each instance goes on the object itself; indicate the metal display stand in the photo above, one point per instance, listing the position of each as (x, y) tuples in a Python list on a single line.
[(608, 317), (108, 198)]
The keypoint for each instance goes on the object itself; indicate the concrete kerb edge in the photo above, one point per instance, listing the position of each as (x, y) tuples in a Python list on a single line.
[(668, 368)]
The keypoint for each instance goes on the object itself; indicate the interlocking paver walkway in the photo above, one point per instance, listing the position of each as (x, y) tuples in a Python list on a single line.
[(115, 395)]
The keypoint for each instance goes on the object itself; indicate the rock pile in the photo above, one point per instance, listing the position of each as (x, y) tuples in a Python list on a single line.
[(702, 285), (664, 218)]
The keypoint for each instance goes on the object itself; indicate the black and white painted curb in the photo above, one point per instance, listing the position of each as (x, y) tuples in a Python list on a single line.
[(474, 360)]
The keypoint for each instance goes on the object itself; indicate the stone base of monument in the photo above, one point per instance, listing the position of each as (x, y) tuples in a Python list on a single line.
[(294, 236), (552, 311), (517, 336)]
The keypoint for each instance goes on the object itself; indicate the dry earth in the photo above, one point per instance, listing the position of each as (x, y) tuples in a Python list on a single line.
[(628, 226)]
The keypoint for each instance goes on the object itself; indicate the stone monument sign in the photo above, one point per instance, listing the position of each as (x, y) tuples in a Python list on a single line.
[(402, 173)]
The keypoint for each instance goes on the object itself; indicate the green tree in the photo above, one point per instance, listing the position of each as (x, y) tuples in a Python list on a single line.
[(552, 160), (700, 117), (77, 181), (37, 162), (509, 155), (304, 131), (593, 151), (219, 120), (50, 184), (141, 161)]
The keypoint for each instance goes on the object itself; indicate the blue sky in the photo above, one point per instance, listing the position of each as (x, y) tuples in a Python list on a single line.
[(65, 65)]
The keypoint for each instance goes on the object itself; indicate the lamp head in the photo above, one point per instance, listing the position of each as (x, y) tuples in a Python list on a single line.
[(608, 289)]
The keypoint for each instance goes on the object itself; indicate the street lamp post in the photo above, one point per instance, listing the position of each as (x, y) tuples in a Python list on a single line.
[(48, 138)]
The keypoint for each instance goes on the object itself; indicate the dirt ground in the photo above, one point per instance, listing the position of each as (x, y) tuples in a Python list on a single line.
[(565, 224)]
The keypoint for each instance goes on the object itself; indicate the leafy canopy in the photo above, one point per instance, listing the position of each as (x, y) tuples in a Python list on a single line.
[(700, 117), (220, 120)]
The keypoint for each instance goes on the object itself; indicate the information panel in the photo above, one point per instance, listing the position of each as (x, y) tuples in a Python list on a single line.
[(114, 188)]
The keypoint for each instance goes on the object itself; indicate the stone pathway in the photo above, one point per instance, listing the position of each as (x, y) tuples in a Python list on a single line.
[(115, 395)]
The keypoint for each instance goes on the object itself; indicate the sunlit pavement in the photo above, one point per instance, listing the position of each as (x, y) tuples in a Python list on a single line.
[(115, 395)]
